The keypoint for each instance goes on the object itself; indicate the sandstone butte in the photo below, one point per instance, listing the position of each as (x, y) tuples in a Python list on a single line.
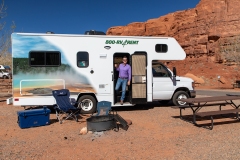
[(204, 32)]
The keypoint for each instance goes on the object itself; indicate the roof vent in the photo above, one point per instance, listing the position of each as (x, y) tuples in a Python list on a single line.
[(49, 32), (93, 32)]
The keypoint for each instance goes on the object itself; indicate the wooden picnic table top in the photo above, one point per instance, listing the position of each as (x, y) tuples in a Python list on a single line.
[(209, 99)]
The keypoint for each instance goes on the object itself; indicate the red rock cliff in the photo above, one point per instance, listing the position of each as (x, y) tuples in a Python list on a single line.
[(201, 32)]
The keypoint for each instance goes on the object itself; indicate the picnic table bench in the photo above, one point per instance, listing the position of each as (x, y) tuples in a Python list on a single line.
[(197, 103), (221, 112)]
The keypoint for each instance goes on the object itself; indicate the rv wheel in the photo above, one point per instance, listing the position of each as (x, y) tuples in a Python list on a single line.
[(87, 104), (179, 95)]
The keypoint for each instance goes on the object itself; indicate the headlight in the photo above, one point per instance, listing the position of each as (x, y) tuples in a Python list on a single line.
[(193, 84)]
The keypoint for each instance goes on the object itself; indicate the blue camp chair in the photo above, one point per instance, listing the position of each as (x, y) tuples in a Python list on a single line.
[(103, 108), (63, 105)]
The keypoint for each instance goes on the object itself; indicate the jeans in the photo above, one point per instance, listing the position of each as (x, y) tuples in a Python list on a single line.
[(122, 82)]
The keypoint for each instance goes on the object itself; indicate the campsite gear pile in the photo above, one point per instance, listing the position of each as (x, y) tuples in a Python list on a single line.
[(103, 120), (33, 118)]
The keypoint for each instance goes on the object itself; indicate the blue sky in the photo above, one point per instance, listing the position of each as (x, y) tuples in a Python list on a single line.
[(78, 16)]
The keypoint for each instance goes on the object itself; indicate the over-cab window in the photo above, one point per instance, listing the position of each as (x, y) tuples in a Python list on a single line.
[(82, 59), (44, 58), (161, 48)]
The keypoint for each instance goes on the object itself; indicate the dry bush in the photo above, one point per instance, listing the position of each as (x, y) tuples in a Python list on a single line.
[(6, 60), (5, 38), (230, 49)]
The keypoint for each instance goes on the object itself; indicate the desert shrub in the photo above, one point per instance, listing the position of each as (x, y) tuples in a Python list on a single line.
[(6, 60)]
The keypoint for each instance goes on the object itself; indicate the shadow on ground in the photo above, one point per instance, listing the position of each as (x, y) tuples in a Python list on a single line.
[(205, 122), (146, 106)]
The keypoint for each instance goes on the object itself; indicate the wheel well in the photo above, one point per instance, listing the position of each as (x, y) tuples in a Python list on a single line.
[(91, 94), (182, 89)]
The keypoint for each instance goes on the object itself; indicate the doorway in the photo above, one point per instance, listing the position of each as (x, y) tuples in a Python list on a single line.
[(117, 59), (136, 92)]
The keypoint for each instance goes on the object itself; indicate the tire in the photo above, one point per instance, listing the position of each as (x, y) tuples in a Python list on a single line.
[(4, 77), (179, 95), (87, 104)]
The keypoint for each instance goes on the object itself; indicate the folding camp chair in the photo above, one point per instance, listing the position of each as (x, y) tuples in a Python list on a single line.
[(103, 108), (63, 105)]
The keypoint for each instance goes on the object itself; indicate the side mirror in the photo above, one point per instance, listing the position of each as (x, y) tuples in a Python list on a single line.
[(174, 71)]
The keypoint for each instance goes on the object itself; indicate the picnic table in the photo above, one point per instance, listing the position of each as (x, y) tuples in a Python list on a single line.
[(196, 104)]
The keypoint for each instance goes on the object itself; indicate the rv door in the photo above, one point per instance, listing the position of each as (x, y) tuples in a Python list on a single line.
[(139, 78)]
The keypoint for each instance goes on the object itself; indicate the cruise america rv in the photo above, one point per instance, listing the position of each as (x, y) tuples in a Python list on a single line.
[(84, 64)]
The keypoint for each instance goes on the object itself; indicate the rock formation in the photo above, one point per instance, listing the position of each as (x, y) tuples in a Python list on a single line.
[(209, 33)]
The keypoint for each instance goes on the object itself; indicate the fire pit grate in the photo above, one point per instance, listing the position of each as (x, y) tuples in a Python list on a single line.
[(101, 123)]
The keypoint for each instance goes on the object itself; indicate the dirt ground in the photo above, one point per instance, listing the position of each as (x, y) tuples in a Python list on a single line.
[(156, 133)]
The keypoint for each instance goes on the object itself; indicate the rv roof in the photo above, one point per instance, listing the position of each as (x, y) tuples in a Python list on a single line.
[(80, 35)]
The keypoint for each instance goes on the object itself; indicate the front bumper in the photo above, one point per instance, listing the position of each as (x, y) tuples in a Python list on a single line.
[(192, 93)]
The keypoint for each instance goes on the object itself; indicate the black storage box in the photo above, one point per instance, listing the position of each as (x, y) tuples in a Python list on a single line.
[(33, 118)]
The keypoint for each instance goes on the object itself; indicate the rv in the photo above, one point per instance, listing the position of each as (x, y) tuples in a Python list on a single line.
[(84, 64)]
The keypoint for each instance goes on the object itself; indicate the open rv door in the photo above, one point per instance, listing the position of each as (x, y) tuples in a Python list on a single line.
[(139, 77)]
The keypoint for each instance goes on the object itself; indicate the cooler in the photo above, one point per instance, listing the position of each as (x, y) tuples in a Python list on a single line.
[(33, 118)]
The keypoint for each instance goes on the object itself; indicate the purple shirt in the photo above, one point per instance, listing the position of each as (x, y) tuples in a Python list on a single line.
[(124, 71)]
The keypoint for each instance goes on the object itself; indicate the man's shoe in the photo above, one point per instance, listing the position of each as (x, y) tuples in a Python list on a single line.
[(121, 102)]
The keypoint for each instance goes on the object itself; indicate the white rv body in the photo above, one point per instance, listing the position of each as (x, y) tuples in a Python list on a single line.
[(86, 68)]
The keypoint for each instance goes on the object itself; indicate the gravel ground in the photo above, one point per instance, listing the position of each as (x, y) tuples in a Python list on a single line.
[(156, 133)]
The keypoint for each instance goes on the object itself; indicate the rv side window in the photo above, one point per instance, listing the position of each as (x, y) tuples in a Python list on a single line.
[(161, 48), (44, 58), (82, 59)]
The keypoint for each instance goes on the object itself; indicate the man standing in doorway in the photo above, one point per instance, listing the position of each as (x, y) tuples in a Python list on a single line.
[(124, 77)]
